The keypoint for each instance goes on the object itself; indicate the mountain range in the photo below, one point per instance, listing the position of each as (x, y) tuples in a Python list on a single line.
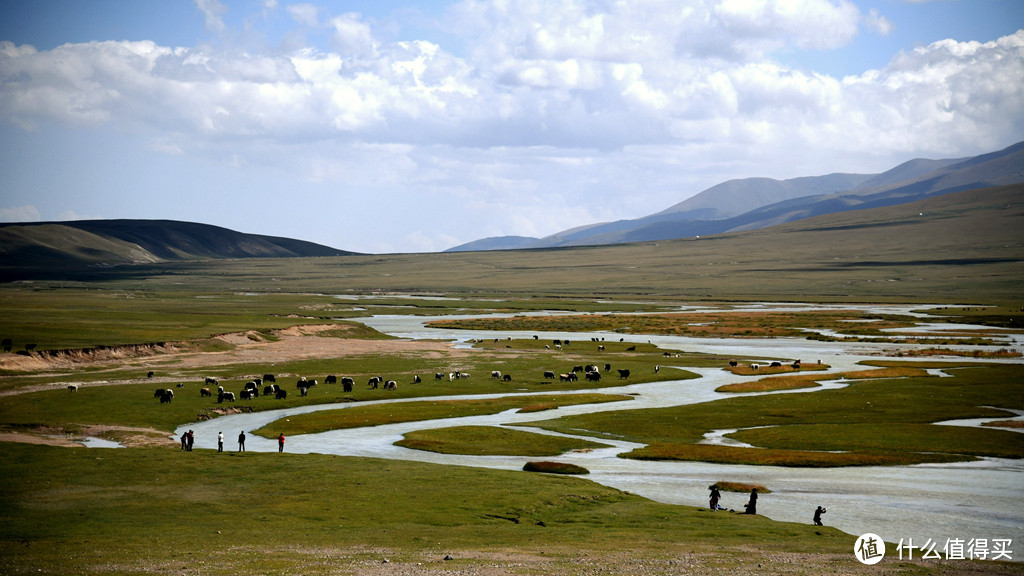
[(753, 203)]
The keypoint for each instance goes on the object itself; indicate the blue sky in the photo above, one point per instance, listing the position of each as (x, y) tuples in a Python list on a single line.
[(410, 126)]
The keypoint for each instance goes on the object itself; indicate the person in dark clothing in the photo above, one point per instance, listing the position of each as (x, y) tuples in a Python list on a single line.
[(184, 441), (752, 504), (191, 440), (715, 497), (241, 441), (817, 516)]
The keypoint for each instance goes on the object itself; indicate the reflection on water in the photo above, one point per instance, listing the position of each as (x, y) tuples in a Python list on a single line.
[(983, 499)]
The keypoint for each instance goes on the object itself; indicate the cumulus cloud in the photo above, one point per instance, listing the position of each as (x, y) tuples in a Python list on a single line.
[(213, 12), (571, 96), (20, 214)]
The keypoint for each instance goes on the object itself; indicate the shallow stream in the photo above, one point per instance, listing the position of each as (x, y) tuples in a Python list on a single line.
[(975, 500)]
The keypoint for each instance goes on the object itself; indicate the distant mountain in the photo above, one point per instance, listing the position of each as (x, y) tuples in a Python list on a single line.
[(495, 243), (753, 203), (48, 248)]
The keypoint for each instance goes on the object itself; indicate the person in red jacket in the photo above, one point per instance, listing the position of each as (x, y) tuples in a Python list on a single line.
[(280, 443)]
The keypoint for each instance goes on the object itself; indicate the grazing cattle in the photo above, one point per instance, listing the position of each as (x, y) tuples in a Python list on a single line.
[(281, 394), (593, 376), (600, 347), (166, 396), (374, 382), (250, 385), (796, 365), (211, 381), (245, 394), (270, 389), (391, 385), (556, 342), (180, 385), (577, 368), (416, 379), (506, 378), (623, 373), (607, 367), (159, 392), (549, 375), (332, 379), (438, 375), (303, 390), (733, 363), (149, 374), (269, 378), (495, 374), (347, 383), (631, 349), (657, 368), (591, 368), (755, 366), (776, 365), (564, 377), (204, 392), (72, 387)]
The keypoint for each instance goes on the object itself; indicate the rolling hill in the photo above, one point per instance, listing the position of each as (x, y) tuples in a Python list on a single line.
[(46, 249), (754, 203)]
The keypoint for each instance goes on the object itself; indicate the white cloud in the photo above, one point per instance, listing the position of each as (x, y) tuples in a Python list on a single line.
[(305, 14), (20, 214), (213, 11)]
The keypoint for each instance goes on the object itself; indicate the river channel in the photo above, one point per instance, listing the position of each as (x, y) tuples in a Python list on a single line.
[(940, 502)]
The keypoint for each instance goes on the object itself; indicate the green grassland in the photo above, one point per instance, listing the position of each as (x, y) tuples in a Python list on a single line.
[(157, 510), (808, 429)]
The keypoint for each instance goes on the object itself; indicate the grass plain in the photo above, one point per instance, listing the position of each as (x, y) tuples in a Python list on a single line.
[(153, 509)]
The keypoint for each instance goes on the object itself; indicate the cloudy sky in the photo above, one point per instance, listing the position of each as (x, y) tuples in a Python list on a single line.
[(416, 125)]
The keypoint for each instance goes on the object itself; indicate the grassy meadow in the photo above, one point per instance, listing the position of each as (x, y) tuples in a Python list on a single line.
[(152, 509)]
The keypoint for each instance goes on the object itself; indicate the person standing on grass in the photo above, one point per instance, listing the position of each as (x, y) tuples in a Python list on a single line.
[(280, 443), (191, 440), (220, 441), (715, 497), (184, 441), (752, 504), (817, 516), (241, 441)]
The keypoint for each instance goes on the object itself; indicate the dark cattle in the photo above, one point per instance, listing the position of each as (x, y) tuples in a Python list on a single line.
[(180, 385), (416, 379), (556, 342), (269, 378), (733, 363), (166, 396), (495, 374), (591, 368), (303, 390), (391, 385), (159, 392), (549, 375), (72, 387), (600, 347), (607, 367), (211, 381), (204, 392), (506, 378), (593, 376), (347, 383), (331, 380), (281, 394), (623, 373), (245, 394), (776, 365), (374, 382), (149, 374), (796, 365), (631, 349), (577, 368), (564, 377), (269, 389), (438, 375), (250, 385)]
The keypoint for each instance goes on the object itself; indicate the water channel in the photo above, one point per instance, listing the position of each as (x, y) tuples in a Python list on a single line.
[(975, 500)]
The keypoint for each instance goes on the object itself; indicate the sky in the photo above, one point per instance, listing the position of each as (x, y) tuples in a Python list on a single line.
[(388, 126)]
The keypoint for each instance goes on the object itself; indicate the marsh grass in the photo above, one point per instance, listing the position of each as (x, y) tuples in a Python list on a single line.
[(554, 468), (795, 382), (871, 421), (492, 441), (392, 413), (726, 486)]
